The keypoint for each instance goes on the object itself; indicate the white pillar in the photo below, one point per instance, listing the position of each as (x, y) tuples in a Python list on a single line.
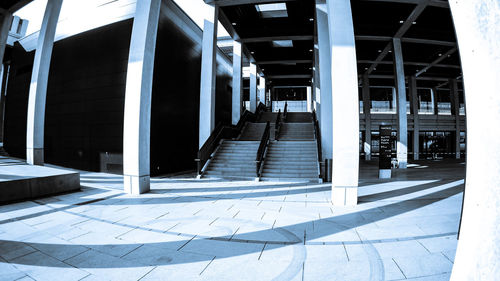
[(325, 93), (433, 102), (345, 104), (368, 117), (317, 83), (208, 74), (262, 90), (253, 87), (412, 85), (455, 111), (237, 102), (309, 99), (6, 19), (402, 145), (477, 29), (39, 81), (138, 91)]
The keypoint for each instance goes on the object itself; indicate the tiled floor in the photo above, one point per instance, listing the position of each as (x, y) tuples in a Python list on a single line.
[(188, 229)]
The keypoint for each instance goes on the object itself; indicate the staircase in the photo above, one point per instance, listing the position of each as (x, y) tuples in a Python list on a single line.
[(234, 159), (297, 132)]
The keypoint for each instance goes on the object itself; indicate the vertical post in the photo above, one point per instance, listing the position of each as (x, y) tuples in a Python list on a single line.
[(262, 90), (412, 85), (317, 82), (253, 87), (434, 98), (39, 81), (368, 117), (237, 102), (477, 29), (208, 75), (325, 75), (5, 20), (138, 92), (345, 104), (309, 99), (402, 145), (455, 111)]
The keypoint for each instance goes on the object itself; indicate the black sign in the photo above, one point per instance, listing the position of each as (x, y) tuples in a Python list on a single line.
[(385, 147)]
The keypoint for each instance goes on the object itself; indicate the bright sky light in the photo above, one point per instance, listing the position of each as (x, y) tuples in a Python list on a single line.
[(33, 12)]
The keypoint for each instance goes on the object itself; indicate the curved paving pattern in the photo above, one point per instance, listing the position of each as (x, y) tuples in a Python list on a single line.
[(188, 229)]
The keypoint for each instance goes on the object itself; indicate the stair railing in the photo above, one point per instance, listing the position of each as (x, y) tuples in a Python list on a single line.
[(223, 132), (285, 111), (277, 125), (317, 134), (264, 141)]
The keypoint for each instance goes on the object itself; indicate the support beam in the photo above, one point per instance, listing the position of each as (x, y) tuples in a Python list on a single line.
[(345, 104), (283, 62), (455, 111), (477, 29), (237, 98), (368, 117), (434, 101), (436, 61), (309, 99), (402, 145), (411, 63), (276, 38), (138, 92), (226, 3), (405, 40), (253, 87), (316, 82), (208, 75), (434, 3), (39, 82), (5, 20), (290, 76), (412, 86)]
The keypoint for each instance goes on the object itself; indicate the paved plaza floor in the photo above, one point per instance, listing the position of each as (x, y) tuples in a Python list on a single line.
[(189, 229)]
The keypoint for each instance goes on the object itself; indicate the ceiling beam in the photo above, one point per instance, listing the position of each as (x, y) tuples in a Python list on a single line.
[(436, 61), (290, 76), (225, 3), (438, 79), (406, 40), (434, 3), (19, 4), (401, 31), (412, 64), (283, 62), (276, 38)]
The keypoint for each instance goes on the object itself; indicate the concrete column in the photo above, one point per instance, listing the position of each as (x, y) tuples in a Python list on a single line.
[(138, 91), (208, 74), (317, 83), (262, 90), (309, 99), (412, 85), (39, 81), (5, 20), (325, 75), (477, 29), (402, 145), (237, 103), (434, 99), (253, 87), (368, 118), (455, 111), (345, 104)]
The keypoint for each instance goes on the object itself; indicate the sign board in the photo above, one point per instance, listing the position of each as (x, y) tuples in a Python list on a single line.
[(385, 147)]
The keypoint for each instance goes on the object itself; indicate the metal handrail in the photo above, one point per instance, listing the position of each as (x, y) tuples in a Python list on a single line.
[(223, 132), (277, 125), (285, 112), (264, 141), (317, 133)]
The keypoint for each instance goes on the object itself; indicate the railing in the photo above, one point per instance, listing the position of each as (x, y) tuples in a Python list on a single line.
[(277, 125), (317, 133), (262, 147), (285, 111), (223, 132)]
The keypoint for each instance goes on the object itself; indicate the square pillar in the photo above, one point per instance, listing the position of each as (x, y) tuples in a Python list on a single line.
[(237, 101), (309, 99), (345, 104), (208, 75), (402, 145), (434, 99), (368, 117), (253, 87), (412, 85), (316, 82), (455, 111), (138, 92), (262, 90), (39, 82), (5, 20)]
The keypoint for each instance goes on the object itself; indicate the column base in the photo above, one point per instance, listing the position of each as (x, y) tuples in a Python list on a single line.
[(344, 195), (34, 156), (457, 155), (384, 173), (415, 156), (136, 185)]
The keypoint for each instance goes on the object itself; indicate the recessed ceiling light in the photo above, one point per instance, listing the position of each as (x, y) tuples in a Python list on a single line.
[(401, 21), (440, 54), (380, 51), (390, 51), (414, 22), (366, 68), (233, 23), (252, 52), (311, 19), (374, 68), (310, 68), (310, 50)]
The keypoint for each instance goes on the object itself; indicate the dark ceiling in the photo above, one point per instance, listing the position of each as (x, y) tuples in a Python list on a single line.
[(428, 42), (13, 5)]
